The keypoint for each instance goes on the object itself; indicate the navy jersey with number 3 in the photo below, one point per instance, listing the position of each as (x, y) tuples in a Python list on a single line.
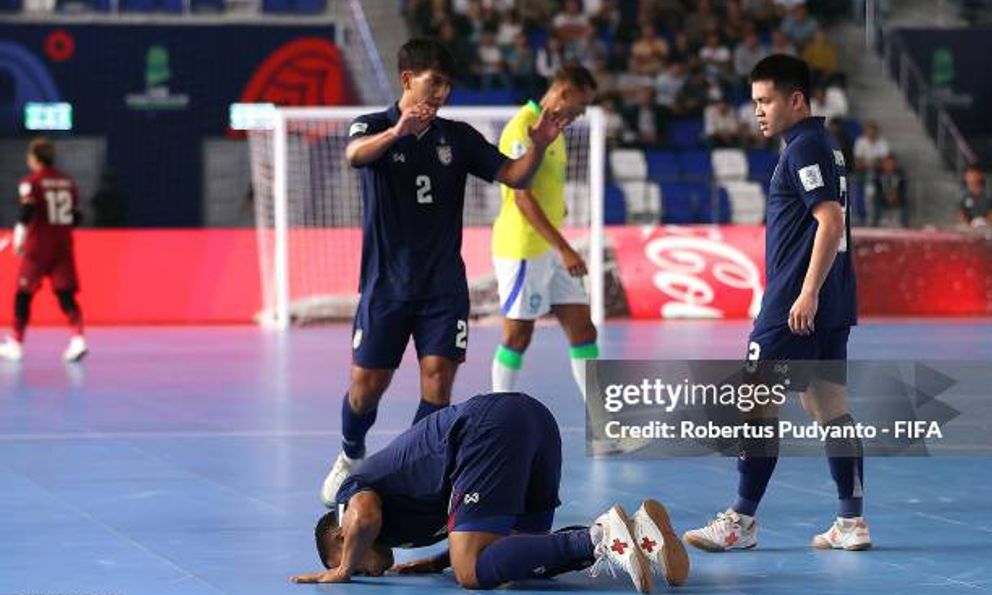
[(810, 170), (413, 198)]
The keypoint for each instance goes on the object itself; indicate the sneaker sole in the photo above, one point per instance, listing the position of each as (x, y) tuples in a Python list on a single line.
[(673, 558), (826, 545), (642, 583), (709, 546)]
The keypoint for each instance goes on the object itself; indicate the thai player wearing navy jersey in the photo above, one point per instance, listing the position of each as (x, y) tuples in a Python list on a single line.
[(808, 307), (413, 168), (484, 474)]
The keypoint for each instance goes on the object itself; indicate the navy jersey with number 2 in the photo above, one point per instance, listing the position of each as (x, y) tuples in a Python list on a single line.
[(413, 198)]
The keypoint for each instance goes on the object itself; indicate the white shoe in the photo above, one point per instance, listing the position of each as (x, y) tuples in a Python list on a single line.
[(76, 349), (845, 534), (11, 350), (616, 548), (728, 531), (341, 470), (660, 544)]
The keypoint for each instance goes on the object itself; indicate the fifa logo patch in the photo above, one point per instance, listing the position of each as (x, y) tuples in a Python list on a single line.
[(444, 154)]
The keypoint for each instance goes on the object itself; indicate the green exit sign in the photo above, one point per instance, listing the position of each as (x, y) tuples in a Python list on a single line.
[(48, 116)]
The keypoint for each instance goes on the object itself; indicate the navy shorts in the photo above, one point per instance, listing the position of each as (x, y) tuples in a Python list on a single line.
[(382, 329), (508, 464), (780, 344)]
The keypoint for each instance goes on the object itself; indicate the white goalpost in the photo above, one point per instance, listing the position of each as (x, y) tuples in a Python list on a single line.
[(308, 212)]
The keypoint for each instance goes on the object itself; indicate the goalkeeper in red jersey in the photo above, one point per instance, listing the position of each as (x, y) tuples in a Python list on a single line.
[(49, 209)]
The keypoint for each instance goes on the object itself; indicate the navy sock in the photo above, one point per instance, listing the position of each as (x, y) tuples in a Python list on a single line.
[(755, 467), (846, 459), (354, 427), (520, 557), (424, 409)]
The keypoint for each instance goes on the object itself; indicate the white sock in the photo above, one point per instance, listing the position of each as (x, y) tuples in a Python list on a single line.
[(506, 367), (579, 374)]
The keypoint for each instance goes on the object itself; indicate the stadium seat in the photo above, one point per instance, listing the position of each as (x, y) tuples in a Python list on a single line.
[(695, 165), (10, 5), (175, 6), (679, 201), (309, 6), (705, 206), (662, 165), (628, 164), (275, 6), (729, 164), (747, 202), (614, 206), (473, 97), (139, 5), (643, 201), (853, 129), (207, 5), (761, 164), (686, 134)]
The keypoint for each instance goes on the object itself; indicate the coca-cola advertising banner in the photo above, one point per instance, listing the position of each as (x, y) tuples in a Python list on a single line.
[(691, 272), (718, 272)]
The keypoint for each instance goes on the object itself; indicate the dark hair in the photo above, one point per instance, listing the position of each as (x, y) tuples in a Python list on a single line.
[(43, 150), (421, 53), (325, 525), (788, 73), (577, 76)]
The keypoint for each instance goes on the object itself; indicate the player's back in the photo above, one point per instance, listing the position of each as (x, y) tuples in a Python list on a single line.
[(55, 200)]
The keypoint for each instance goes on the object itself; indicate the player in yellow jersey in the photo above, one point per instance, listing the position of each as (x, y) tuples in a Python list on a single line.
[(537, 270)]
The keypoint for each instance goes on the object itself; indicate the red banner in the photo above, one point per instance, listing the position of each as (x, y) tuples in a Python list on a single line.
[(212, 276), (153, 277), (691, 272)]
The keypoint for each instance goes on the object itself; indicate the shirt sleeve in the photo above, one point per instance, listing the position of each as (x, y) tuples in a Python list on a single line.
[(25, 192), (483, 158), (814, 173), (365, 125)]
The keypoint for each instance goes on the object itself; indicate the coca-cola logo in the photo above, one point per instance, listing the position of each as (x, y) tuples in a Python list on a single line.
[(703, 275)]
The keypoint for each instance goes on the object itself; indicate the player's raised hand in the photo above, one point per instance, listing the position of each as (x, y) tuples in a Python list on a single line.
[(549, 125), (802, 313), (334, 575), (415, 119), (574, 263)]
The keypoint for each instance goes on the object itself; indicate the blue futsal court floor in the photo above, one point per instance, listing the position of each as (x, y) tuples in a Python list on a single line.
[(188, 461)]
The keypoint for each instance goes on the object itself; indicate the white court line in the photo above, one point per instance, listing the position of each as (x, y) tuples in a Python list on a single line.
[(201, 434)]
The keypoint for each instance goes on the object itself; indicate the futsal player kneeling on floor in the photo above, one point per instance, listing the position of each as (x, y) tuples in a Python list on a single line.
[(484, 474)]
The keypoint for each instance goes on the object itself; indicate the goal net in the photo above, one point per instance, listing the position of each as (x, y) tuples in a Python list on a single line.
[(308, 212)]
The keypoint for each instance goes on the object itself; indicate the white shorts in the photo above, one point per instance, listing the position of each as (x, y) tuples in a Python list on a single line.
[(529, 287)]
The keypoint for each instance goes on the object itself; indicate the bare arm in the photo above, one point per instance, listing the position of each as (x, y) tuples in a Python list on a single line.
[(532, 212), (829, 232), (367, 149), (517, 173), (361, 524)]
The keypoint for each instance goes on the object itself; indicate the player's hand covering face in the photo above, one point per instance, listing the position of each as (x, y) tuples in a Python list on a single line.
[(548, 127), (415, 119)]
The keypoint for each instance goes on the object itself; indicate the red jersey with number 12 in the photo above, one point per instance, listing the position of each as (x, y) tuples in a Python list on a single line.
[(55, 198)]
